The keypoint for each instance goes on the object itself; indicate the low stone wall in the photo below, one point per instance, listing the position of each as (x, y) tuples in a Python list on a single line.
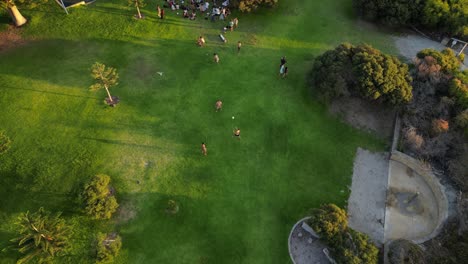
[(433, 182)]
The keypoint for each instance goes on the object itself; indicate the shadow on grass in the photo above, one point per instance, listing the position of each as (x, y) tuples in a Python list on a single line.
[(49, 92)]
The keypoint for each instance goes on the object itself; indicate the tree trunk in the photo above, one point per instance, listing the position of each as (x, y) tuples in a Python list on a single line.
[(138, 9), (15, 14), (108, 94)]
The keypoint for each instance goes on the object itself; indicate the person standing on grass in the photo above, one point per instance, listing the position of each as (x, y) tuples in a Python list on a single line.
[(236, 22), (283, 61), (162, 13), (236, 133), (285, 73), (203, 149), (239, 45), (159, 11), (215, 58), (219, 105), (282, 69)]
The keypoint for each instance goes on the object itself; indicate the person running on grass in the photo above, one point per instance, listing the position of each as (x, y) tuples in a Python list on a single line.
[(219, 105), (203, 149), (285, 73), (282, 70), (239, 45), (215, 57), (283, 61), (236, 133)]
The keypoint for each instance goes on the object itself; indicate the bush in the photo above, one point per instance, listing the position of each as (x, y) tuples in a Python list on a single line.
[(403, 251), (348, 245), (99, 201), (361, 70), (439, 126), (446, 59), (392, 13), (412, 140), (461, 120), (442, 15), (459, 90), (107, 247), (5, 142), (172, 207), (250, 5), (328, 221)]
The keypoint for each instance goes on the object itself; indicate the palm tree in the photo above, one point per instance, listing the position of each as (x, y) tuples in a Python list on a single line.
[(42, 236), (105, 77), (13, 11)]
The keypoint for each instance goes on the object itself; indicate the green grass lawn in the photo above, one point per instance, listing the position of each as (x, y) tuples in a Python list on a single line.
[(238, 204)]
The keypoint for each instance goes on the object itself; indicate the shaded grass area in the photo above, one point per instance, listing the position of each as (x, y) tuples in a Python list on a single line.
[(238, 204)]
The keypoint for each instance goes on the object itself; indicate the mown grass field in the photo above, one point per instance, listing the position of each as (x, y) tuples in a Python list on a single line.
[(237, 204)]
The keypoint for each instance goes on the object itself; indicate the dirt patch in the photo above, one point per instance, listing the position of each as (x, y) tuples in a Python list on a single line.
[(361, 114), (11, 38), (126, 212)]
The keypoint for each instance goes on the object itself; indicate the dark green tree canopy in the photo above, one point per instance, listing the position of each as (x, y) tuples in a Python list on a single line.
[(363, 71), (446, 16)]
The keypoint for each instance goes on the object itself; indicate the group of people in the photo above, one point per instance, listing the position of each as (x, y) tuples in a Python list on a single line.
[(235, 133)]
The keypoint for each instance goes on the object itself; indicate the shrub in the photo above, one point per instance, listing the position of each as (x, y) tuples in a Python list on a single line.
[(412, 140), (172, 207), (403, 251), (392, 13), (461, 120), (348, 245), (459, 90), (5, 142), (439, 126), (328, 221), (446, 59), (250, 5), (99, 201), (361, 70), (107, 247)]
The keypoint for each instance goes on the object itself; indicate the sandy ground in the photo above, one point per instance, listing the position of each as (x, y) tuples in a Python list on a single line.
[(361, 114), (410, 220), (366, 204)]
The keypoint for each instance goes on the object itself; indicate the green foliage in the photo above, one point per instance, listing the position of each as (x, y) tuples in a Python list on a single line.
[(97, 198), (105, 77), (443, 15), (328, 221), (393, 13), (405, 252), (107, 247), (137, 3), (348, 245), (250, 5), (5, 142), (459, 90), (461, 120), (172, 207), (362, 70), (42, 236), (27, 3), (446, 59)]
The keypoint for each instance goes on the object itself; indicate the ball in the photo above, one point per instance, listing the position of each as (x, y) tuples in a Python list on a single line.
[(232, 117)]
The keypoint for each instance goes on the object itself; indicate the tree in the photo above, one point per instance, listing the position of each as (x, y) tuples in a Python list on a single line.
[(107, 247), (42, 236), (105, 77), (363, 71), (13, 11), (445, 59), (98, 199), (250, 5), (459, 90), (138, 4), (391, 13), (5, 142)]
